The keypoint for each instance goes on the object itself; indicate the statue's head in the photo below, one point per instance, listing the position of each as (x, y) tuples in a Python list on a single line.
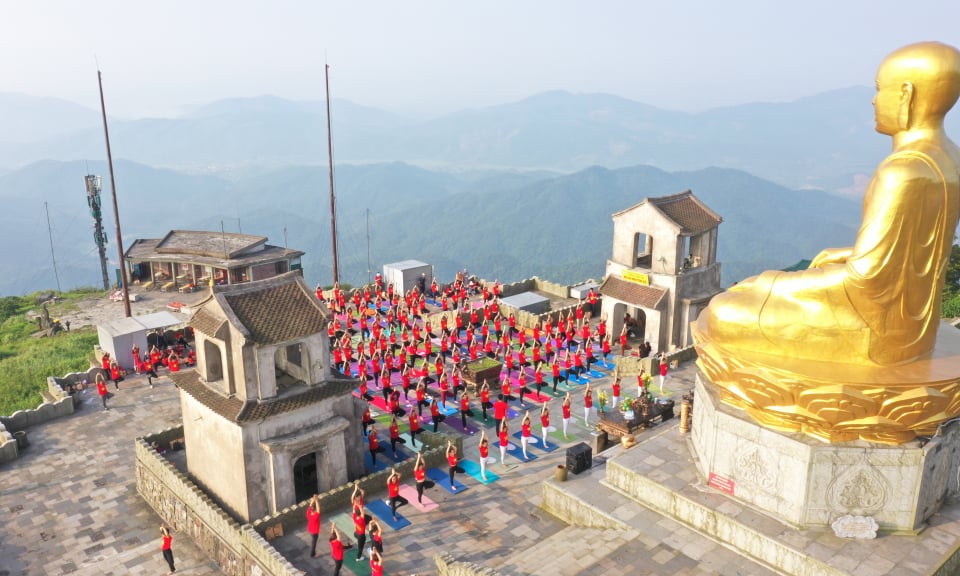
[(916, 86)]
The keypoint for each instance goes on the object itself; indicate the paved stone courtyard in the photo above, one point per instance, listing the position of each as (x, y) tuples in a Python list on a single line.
[(70, 507)]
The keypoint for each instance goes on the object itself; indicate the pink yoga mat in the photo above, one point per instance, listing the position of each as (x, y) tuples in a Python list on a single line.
[(410, 493)]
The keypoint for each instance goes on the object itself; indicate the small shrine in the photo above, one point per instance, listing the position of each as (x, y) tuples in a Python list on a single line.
[(663, 270)]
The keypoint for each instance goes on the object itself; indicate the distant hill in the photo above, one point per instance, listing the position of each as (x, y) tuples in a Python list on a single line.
[(499, 224), (823, 141)]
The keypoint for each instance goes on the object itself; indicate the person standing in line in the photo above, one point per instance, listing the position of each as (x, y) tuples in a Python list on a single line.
[(435, 416), (545, 424), (102, 390), (374, 444), (663, 370), (504, 442), (452, 460), (336, 549), (313, 523), (616, 393), (393, 490), (500, 411), (420, 475), (360, 519), (376, 563), (485, 403), (376, 536), (414, 428), (566, 414), (166, 546), (526, 436), (485, 455), (465, 408), (587, 405)]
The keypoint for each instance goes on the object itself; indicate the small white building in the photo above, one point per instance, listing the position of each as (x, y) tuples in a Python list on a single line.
[(663, 270), (119, 336), (405, 275)]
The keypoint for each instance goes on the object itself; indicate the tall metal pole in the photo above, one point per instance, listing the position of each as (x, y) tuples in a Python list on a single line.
[(368, 245), (99, 236), (52, 255), (116, 212), (333, 204)]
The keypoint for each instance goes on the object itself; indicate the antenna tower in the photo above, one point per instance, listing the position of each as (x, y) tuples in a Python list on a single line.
[(99, 236)]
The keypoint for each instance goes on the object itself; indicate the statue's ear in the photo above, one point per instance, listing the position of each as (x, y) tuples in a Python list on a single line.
[(904, 114)]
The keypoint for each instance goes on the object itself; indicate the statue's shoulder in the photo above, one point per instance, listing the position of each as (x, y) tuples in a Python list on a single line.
[(922, 161)]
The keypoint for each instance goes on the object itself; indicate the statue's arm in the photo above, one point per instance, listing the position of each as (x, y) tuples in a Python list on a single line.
[(831, 256)]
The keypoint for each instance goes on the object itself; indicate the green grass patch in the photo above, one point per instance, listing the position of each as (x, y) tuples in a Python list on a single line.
[(26, 362)]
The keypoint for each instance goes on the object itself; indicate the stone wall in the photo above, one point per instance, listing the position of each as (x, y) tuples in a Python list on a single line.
[(242, 550), (8, 446), (23, 419), (447, 565), (237, 550)]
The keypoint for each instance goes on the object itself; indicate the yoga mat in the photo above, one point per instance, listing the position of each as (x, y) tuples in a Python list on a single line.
[(410, 493), (381, 464), (490, 423), (381, 510), (539, 442), (442, 478), (448, 411), (454, 422), (473, 470), (595, 374), (517, 452), (572, 434)]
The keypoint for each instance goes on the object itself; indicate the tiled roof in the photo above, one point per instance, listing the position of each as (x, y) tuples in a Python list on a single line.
[(235, 410), (632, 293), (688, 212), (277, 312), (329, 389), (189, 382), (207, 323)]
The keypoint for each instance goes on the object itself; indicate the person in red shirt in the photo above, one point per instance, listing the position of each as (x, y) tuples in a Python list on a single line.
[(376, 535), (115, 373), (485, 399), (485, 458), (435, 416), (366, 420), (566, 413), (587, 405), (173, 362), (421, 397), (623, 341), (166, 547), (395, 435), (499, 410), (545, 426), (504, 433), (452, 461), (414, 428), (393, 491), (376, 563), (465, 408), (336, 549), (105, 362), (663, 370), (102, 390), (526, 436), (360, 519), (374, 443), (313, 523), (420, 475), (616, 392)]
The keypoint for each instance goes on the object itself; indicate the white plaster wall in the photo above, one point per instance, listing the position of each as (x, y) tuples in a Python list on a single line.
[(215, 455)]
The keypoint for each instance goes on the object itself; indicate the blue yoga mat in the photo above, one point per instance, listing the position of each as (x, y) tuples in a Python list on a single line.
[(447, 411), (382, 510), (473, 470), (442, 479), (517, 452), (538, 444), (383, 461)]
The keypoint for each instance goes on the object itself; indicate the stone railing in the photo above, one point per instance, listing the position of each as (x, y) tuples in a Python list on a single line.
[(187, 509), (241, 550)]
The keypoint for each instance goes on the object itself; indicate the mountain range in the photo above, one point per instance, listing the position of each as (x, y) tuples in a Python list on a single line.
[(500, 225), (825, 141)]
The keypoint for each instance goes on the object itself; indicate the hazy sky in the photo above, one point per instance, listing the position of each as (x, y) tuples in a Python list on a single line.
[(435, 57)]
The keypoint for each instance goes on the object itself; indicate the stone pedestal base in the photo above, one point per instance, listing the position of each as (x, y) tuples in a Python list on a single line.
[(807, 483)]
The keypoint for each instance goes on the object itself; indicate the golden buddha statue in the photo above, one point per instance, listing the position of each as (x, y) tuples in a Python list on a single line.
[(818, 350)]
